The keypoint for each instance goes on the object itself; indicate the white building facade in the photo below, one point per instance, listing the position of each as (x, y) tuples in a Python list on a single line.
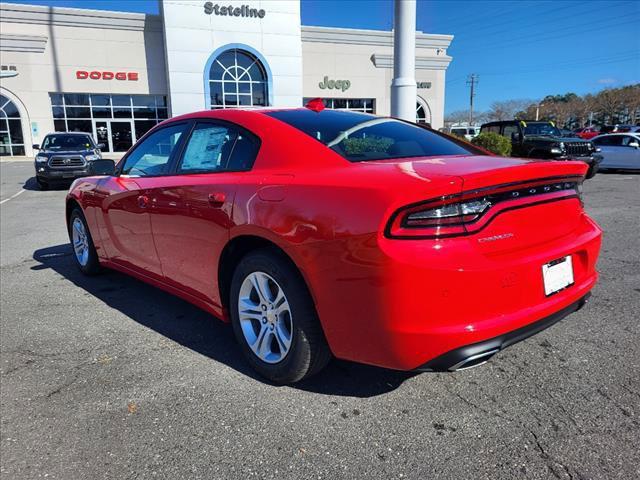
[(115, 75)]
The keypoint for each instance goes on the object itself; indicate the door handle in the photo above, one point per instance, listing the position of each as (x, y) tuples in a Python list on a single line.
[(143, 201), (217, 199)]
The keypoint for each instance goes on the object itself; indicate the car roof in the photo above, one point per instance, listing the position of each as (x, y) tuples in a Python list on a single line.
[(68, 133), (620, 134)]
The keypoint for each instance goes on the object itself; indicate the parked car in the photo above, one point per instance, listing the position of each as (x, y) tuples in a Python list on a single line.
[(587, 133), (468, 133), (626, 129), (321, 233), (544, 140), (566, 133), (619, 151), (63, 157)]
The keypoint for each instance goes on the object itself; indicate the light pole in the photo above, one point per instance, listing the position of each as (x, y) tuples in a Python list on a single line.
[(538, 110), (403, 86)]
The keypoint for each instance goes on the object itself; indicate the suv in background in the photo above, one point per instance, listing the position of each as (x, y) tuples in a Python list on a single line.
[(544, 140), (468, 133), (66, 156)]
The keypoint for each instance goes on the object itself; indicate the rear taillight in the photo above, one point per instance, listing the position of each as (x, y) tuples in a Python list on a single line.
[(469, 212)]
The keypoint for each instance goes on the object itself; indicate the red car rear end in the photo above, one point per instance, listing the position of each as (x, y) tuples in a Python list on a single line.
[(390, 244)]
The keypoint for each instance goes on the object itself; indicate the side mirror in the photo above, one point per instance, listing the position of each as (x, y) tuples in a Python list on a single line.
[(36, 146), (634, 144), (515, 137), (103, 167), (100, 146)]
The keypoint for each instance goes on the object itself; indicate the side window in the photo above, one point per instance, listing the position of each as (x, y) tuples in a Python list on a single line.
[(208, 149), (214, 148), (493, 128), (244, 153), (152, 156), (627, 139), (511, 132)]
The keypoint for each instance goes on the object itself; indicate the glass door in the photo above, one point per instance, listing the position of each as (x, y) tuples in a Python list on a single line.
[(121, 135), (116, 135), (101, 134)]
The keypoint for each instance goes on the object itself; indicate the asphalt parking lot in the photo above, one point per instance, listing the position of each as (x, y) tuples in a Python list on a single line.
[(107, 377)]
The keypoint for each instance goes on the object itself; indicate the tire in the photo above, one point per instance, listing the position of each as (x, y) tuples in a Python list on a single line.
[(87, 261), (42, 185), (307, 351)]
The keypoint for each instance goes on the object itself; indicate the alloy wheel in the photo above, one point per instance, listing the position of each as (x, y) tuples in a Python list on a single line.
[(80, 241), (265, 317)]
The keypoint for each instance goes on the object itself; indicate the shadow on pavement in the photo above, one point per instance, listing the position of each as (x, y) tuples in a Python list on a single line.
[(195, 329), (31, 184)]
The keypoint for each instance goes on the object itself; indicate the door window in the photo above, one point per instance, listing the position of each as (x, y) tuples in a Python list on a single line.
[(510, 131), (152, 156), (213, 148), (612, 141), (208, 149)]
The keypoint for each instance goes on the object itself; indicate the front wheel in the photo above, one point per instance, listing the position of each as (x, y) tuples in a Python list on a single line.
[(84, 251), (274, 318), (42, 185)]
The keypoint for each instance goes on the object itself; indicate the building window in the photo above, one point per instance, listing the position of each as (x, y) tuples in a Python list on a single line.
[(423, 112), (365, 105), (11, 138), (117, 121), (237, 79)]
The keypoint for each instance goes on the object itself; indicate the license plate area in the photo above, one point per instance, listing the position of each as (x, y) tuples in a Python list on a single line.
[(557, 275)]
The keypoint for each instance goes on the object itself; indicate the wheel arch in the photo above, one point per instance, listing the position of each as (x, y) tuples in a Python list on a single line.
[(236, 249)]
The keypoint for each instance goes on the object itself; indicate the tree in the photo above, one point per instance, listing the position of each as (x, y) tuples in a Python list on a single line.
[(506, 110)]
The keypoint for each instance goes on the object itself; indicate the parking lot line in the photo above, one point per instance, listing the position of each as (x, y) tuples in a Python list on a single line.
[(12, 196)]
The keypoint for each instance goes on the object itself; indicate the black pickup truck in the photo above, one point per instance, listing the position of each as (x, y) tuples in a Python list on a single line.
[(544, 140)]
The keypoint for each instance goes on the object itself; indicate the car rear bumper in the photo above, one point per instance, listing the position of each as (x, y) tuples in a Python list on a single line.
[(402, 303), (478, 353)]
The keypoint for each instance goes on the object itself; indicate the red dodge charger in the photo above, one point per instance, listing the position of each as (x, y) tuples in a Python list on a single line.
[(320, 233)]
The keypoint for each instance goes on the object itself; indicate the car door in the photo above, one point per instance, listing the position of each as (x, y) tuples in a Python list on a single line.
[(192, 209), (611, 150), (629, 153), (126, 225)]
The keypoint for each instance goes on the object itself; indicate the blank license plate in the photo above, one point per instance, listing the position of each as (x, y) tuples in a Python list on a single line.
[(557, 275)]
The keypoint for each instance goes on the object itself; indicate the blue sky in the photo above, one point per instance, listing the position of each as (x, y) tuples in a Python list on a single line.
[(520, 49)]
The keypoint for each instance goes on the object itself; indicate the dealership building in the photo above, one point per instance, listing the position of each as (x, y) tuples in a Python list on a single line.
[(115, 75)]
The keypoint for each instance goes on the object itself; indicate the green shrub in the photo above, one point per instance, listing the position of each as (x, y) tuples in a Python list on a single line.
[(494, 142)]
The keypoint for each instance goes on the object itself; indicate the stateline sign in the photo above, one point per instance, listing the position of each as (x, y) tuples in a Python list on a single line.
[(230, 11)]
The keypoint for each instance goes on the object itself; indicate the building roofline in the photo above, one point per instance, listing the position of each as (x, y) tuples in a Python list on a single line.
[(78, 17), (109, 19)]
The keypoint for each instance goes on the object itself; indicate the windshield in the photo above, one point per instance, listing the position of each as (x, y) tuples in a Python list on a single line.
[(67, 142), (543, 128), (360, 137)]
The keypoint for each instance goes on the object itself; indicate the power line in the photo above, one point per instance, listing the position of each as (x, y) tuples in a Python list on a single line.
[(529, 39)]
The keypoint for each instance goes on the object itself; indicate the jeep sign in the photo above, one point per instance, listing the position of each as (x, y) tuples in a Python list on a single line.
[(337, 84)]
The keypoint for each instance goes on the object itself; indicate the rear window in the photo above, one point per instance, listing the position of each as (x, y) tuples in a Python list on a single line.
[(361, 137)]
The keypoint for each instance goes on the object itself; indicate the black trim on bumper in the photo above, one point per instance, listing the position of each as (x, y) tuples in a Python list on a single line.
[(487, 348)]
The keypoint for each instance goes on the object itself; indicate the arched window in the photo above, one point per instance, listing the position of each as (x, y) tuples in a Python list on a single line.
[(423, 112), (11, 138), (237, 79)]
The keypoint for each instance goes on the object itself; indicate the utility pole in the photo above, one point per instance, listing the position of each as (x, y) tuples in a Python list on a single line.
[(403, 86), (472, 82)]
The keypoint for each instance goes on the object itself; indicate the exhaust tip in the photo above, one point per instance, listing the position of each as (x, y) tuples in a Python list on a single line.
[(474, 360)]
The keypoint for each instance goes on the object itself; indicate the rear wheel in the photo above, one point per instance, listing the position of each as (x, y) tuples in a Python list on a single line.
[(84, 251), (274, 319)]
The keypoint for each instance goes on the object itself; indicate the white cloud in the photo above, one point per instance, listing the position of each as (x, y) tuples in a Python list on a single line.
[(607, 81)]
